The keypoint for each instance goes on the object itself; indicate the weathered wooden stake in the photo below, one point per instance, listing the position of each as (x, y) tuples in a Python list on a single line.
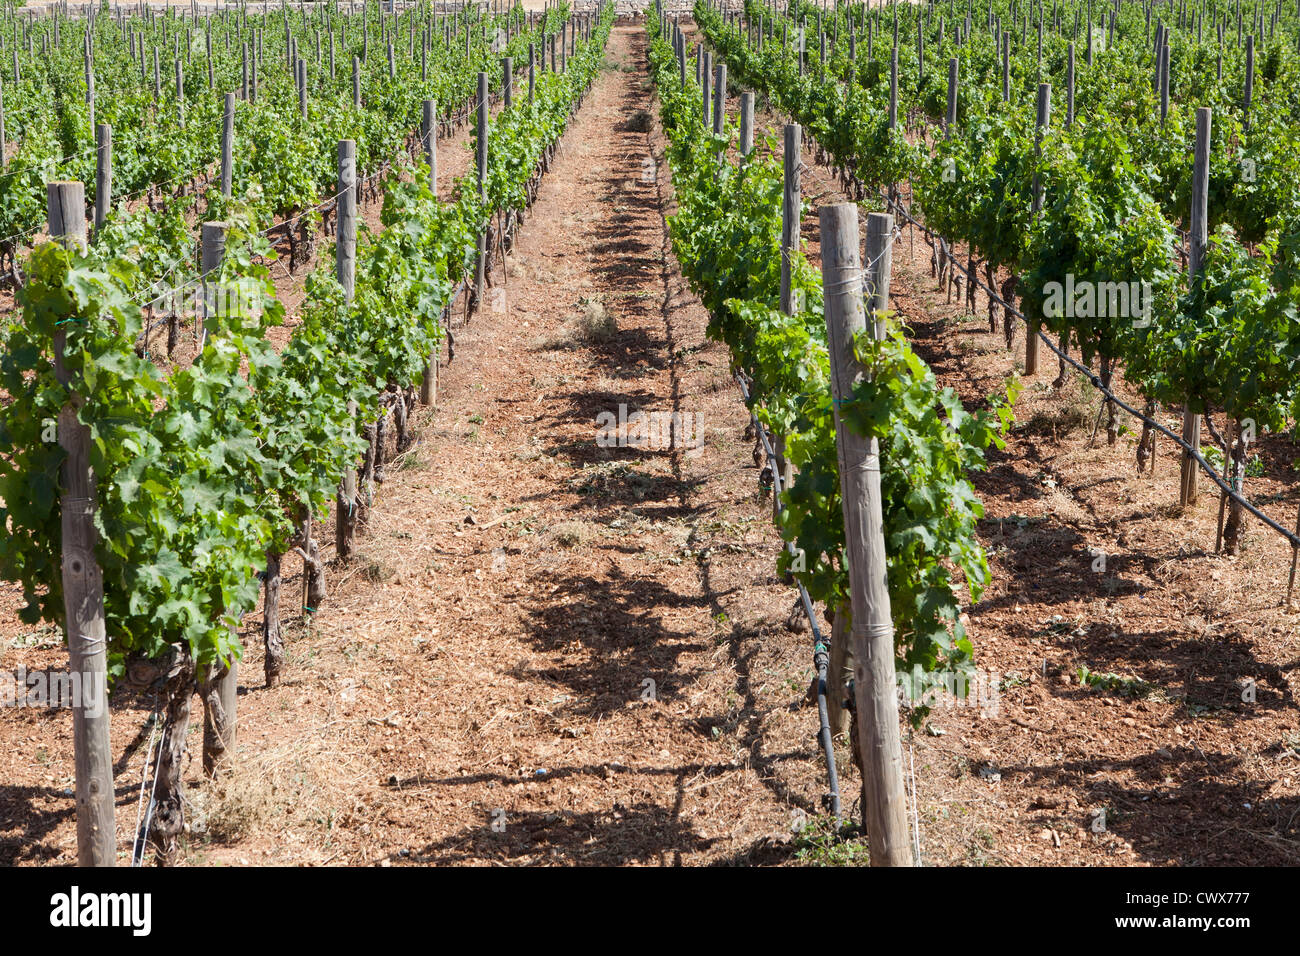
[(746, 123), (83, 583), (429, 125), (791, 215), (345, 265), (875, 683), (481, 156), (952, 98), (228, 147), (103, 174), (1032, 322), (1197, 239), (220, 686), (720, 99)]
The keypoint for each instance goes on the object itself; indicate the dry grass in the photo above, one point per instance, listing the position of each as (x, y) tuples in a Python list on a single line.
[(571, 534), (308, 785), (596, 325)]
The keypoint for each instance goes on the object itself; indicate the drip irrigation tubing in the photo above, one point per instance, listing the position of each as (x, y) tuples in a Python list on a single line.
[(821, 647)]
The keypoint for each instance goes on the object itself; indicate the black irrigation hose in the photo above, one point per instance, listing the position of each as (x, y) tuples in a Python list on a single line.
[(821, 652), (1292, 538)]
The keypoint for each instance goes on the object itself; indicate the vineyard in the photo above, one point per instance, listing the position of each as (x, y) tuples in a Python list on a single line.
[(751, 433)]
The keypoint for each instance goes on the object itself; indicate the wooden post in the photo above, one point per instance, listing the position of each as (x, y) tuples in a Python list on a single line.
[(103, 174), (212, 251), (1248, 92), (720, 99), (180, 91), (746, 123), (83, 583), (345, 260), (430, 127), (220, 687), (1164, 83), (893, 89), (875, 683), (481, 155), (1032, 323), (90, 93), (1006, 67), (791, 216), (228, 147), (356, 83), (706, 79), (790, 211), (1197, 239), (952, 98), (300, 68), (1069, 87), (429, 384), (1088, 50), (507, 81)]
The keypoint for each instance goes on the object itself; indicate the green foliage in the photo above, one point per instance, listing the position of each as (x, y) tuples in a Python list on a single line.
[(1115, 174), (727, 237), (200, 471)]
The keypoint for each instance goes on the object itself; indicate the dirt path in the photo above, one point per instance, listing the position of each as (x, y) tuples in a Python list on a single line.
[(547, 651), (590, 572)]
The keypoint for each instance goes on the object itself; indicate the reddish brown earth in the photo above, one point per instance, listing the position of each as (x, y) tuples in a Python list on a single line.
[(484, 660)]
